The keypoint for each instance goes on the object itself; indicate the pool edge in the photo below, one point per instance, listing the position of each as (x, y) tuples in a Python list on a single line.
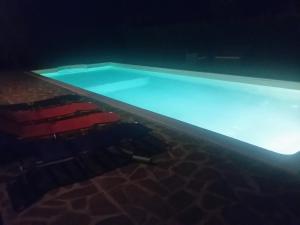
[(225, 77), (285, 162)]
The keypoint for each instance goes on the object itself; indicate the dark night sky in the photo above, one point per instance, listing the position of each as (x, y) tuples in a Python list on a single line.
[(114, 12), (39, 33)]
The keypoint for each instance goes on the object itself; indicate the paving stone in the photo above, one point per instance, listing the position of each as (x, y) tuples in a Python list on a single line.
[(213, 202), (115, 172), (196, 185), (197, 156), (191, 216), (72, 218), (278, 218), (160, 173), (290, 200), (1, 195), (128, 170), (153, 220), (79, 203), (30, 222), (166, 164), (220, 187), (86, 183), (215, 220), (42, 212), (138, 174), (5, 177), (173, 183), (207, 173), (109, 183), (262, 204), (154, 186), (136, 214), (116, 220), (120, 196), (293, 185), (178, 152), (269, 207), (54, 192), (265, 184), (241, 215), (79, 192), (227, 165), (181, 199), (158, 207), (190, 146), (68, 187), (53, 202), (101, 205), (185, 169), (238, 180), (137, 195)]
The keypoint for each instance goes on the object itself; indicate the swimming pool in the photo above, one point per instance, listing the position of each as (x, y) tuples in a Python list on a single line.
[(261, 112)]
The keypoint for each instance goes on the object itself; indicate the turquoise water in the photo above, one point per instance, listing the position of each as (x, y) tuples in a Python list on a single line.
[(268, 117)]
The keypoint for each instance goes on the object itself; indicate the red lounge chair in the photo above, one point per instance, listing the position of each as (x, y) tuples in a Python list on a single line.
[(58, 127), (58, 100), (25, 116)]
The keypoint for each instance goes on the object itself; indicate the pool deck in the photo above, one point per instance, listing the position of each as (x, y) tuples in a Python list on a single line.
[(194, 182)]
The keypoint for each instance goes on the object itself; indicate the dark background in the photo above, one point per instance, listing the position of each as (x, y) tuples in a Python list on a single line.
[(180, 34)]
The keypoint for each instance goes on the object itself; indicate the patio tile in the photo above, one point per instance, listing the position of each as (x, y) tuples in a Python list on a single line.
[(194, 182)]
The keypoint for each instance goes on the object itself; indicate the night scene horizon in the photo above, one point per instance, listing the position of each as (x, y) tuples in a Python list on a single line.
[(155, 112)]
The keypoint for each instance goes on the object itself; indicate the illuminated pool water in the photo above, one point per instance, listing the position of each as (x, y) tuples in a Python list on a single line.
[(265, 116)]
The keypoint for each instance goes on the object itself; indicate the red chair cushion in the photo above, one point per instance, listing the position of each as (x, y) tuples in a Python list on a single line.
[(48, 113), (58, 127), (69, 125)]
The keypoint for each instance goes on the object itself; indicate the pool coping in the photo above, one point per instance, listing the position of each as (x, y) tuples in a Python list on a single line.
[(285, 162), (224, 77)]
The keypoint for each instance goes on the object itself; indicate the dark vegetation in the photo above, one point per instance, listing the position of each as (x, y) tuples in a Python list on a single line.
[(264, 34)]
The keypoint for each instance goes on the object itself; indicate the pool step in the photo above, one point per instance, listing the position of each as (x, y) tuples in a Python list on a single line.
[(119, 86)]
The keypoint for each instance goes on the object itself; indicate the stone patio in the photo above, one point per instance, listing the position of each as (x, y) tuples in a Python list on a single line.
[(194, 182)]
